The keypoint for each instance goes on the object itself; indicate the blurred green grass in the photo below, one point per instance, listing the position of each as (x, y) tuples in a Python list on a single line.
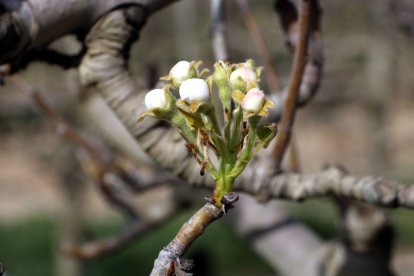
[(28, 248)]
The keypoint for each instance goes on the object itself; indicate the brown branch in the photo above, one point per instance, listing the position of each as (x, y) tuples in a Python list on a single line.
[(62, 127), (191, 230), (367, 239), (289, 108), (312, 75), (260, 43), (94, 249)]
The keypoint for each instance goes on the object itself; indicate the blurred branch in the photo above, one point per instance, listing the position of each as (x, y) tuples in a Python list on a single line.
[(191, 230), (27, 25), (260, 43), (312, 75), (45, 55), (367, 239), (218, 30), (97, 164), (132, 230), (278, 238), (402, 13), (289, 109), (2, 270)]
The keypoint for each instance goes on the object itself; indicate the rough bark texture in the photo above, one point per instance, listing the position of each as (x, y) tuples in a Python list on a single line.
[(190, 231), (30, 24)]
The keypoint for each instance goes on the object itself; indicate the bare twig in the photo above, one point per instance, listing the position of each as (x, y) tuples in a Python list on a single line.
[(104, 161), (260, 43), (190, 231), (62, 127), (290, 104), (312, 75), (131, 231), (218, 30)]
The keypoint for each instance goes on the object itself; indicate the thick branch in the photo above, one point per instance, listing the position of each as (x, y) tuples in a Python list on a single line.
[(190, 231), (282, 241), (330, 182), (30, 24)]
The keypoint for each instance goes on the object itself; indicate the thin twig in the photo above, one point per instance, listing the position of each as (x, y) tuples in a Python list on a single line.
[(190, 231), (94, 249), (260, 43), (290, 104), (62, 127), (312, 75), (218, 30)]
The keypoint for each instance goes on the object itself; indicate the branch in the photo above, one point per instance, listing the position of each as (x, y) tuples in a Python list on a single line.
[(218, 30), (281, 240), (312, 75), (403, 16), (260, 43), (26, 25), (190, 231), (367, 239), (330, 182), (130, 232), (289, 108)]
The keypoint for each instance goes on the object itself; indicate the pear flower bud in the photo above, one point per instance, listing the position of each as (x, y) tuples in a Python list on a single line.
[(241, 76), (156, 99), (180, 72), (194, 90), (253, 101)]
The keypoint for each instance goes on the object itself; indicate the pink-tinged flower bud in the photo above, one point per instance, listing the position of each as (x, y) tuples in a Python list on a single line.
[(253, 101), (180, 72), (156, 99), (194, 90), (242, 76)]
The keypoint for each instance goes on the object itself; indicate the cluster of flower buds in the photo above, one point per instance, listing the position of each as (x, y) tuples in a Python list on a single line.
[(191, 102)]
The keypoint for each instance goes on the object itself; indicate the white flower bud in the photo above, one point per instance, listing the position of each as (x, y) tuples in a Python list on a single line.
[(194, 90), (180, 72), (253, 101), (156, 99), (244, 74)]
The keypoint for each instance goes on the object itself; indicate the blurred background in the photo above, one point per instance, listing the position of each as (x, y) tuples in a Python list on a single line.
[(361, 118)]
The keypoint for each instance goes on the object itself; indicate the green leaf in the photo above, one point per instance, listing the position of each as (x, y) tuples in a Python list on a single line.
[(266, 133)]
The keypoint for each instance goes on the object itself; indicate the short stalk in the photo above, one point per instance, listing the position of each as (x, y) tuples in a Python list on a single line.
[(224, 183)]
